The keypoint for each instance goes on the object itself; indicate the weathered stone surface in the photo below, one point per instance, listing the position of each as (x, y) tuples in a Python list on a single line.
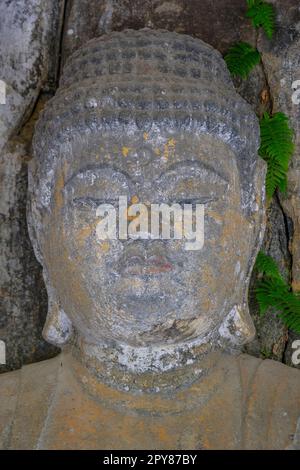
[(236, 403), (22, 311), (272, 335), (29, 46), (281, 61), (28, 57), (146, 323), (168, 127), (218, 23)]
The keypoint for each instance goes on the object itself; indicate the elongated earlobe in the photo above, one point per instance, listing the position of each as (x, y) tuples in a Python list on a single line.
[(58, 328), (237, 329)]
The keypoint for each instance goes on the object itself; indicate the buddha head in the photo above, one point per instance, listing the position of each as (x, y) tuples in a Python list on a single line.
[(151, 116)]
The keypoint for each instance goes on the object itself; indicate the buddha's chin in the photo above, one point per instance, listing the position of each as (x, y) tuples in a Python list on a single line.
[(156, 305)]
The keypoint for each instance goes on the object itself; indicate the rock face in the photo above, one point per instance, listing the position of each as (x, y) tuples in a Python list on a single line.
[(281, 65), (29, 59), (218, 23), (28, 64), (281, 60)]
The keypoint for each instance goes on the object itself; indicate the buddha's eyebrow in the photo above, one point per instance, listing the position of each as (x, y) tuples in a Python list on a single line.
[(186, 168), (97, 171)]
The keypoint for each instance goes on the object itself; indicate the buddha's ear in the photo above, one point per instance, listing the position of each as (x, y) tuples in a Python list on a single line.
[(58, 328), (237, 328)]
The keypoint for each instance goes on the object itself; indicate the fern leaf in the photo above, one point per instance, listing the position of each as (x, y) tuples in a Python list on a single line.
[(275, 178), (241, 59), (266, 265), (262, 15), (290, 314), (273, 291), (263, 297), (276, 149)]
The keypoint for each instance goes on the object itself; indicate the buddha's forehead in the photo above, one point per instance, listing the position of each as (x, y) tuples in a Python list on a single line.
[(143, 157)]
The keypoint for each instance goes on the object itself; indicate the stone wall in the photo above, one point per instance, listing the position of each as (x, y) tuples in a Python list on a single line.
[(57, 27), (29, 60)]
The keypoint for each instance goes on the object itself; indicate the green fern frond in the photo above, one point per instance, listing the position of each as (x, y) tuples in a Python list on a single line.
[(262, 15), (273, 291), (266, 265), (241, 59), (269, 293), (276, 149), (291, 312)]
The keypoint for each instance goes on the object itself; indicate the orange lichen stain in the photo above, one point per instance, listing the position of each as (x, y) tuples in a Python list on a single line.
[(296, 286), (166, 152), (169, 148), (165, 436), (105, 246), (58, 197), (264, 96), (230, 229), (134, 199), (85, 232), (215, 216), (125, 151), (145, 135)]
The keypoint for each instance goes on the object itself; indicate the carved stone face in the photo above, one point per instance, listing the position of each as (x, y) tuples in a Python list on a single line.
[(150, 292)]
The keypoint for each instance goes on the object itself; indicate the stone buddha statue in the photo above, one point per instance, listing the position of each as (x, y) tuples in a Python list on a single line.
[(151, 333)]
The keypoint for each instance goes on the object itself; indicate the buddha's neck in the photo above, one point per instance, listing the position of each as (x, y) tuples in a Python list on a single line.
[(143, 369)]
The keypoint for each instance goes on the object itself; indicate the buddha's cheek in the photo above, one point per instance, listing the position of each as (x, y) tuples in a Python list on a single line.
[(89, 255), (66, 279), (222, 262), (234, 248)]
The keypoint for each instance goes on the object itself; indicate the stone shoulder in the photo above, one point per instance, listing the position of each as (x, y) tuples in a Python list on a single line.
[(26, 396), (272, 409)]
